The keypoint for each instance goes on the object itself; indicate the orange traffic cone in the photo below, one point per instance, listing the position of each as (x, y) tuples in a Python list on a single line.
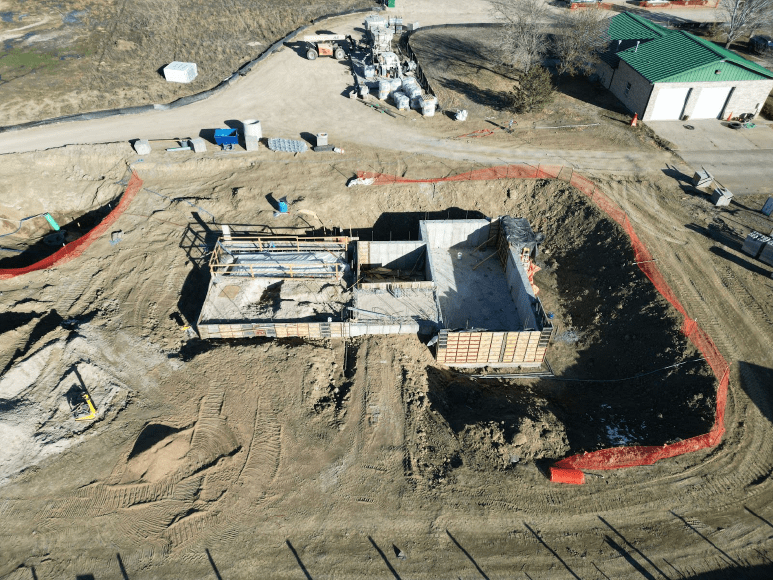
[(730, 116), (635, 118)]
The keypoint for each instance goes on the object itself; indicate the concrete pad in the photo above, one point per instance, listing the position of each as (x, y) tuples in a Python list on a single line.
[(742, 172), (713, 134), (251, 144), (739, 159), (199, 145), (471, 298)]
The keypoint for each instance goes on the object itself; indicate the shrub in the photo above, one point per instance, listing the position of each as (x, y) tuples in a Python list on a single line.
[(534, 89)]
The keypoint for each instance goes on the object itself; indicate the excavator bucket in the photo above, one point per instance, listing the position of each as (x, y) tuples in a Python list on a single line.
[(92, 410)]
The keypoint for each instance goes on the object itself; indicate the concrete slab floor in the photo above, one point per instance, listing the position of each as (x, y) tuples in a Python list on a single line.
[(738, 158), (237, 299), (470, 298), (413, 304), (714, 135)]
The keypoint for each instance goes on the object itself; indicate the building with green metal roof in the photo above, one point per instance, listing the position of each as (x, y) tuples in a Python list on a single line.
[(664, 74)]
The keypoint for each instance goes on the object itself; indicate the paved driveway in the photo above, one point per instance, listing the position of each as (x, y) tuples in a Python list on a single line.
[(741, 160)]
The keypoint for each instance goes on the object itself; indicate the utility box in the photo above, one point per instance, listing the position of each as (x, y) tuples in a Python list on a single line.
[(180, 72), (389, 3), (702, 179), (767, 209)]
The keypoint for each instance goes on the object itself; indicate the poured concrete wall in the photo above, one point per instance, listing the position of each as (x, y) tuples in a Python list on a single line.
[(392, 255), (451, 233), (521, 291)]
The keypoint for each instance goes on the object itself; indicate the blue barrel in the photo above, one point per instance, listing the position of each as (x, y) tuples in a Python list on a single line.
[(282, 206)]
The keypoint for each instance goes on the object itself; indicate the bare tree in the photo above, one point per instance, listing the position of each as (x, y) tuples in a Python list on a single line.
[(581, 38), (522, 39), (745, 16)]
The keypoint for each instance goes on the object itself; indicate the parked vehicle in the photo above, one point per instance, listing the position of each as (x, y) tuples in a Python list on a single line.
[(325, 45), (761, 44)]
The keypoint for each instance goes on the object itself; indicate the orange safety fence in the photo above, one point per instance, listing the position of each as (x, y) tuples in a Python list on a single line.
[(678, 4), (567, 470), (77, 247)]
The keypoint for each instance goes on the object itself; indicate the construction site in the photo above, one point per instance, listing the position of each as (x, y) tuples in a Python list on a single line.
[(354, 338)]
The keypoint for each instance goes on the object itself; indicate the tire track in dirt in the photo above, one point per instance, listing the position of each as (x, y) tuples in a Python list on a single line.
[(262, 463)]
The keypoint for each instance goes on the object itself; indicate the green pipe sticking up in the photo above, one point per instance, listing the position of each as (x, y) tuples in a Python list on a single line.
[(52, 221)]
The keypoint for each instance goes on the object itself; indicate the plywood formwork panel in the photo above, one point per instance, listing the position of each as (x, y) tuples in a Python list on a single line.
[(490, 348)]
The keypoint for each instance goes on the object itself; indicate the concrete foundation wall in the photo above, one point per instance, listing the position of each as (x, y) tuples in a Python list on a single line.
[(310, 330), (451, 233), (364, 328), (392, 255), (521, 291)]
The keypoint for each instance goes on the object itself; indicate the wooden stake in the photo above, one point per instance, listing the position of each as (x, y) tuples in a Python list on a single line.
[(484, 260)]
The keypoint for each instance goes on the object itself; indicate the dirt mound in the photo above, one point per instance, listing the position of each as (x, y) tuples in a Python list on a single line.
[(42, 391)]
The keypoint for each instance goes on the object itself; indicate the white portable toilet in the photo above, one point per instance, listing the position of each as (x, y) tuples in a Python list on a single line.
[(180, 72)]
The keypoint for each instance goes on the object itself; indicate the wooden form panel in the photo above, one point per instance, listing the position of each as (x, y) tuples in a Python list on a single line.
[(466, 348), (306, 330)]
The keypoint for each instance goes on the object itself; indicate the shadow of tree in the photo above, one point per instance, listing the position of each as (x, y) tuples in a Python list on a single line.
[(497, 100)]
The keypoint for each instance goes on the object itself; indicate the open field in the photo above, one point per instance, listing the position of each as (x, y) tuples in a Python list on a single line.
[(291, 458), (59, 58)]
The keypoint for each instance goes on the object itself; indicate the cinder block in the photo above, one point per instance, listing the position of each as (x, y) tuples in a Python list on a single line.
[(142, 146)]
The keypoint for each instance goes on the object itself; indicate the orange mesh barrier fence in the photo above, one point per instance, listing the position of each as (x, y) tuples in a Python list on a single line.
[(567, 470), (77, 247)]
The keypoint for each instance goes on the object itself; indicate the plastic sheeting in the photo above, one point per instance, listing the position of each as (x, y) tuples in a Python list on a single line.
[(520, 235), (277, 264)]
